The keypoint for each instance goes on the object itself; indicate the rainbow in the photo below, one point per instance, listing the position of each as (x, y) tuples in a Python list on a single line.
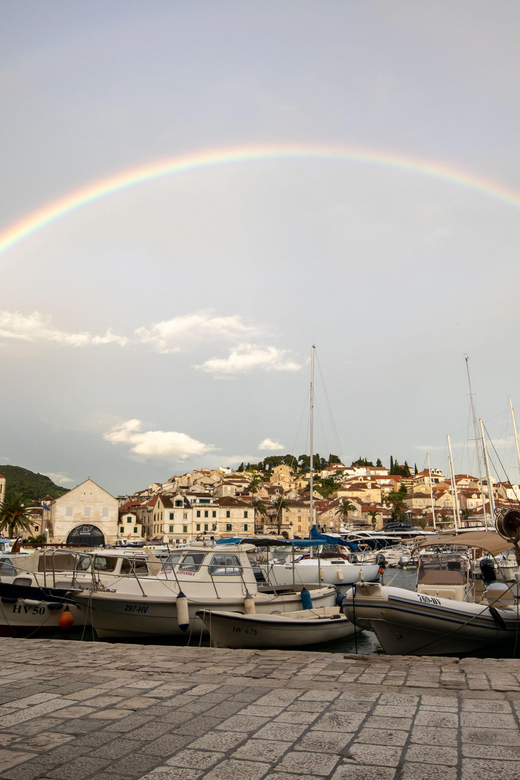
[(212, 158)]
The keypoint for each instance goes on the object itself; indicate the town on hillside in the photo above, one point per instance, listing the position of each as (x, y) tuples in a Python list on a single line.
[(265, 499)]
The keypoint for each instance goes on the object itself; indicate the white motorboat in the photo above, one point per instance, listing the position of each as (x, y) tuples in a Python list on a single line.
[(305, 627), (35, 588), (199, 576), (335, 570), (448, 614)]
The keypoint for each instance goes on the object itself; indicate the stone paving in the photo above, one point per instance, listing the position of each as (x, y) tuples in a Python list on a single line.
[(79, 710)]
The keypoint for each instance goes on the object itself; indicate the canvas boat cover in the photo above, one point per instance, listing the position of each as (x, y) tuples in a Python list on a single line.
[(489, 541)]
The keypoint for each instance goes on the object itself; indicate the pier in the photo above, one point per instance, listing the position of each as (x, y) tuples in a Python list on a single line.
[(79, 710)]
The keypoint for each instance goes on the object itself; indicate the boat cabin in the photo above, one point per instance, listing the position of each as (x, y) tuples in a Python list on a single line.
[(444, 575)]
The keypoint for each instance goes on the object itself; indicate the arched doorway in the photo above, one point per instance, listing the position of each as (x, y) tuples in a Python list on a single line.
[(87, 536)]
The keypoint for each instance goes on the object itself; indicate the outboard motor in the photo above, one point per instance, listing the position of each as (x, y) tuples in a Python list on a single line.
[(487, 568), (381, 560)]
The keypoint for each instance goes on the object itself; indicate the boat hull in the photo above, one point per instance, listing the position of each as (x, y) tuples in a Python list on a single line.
[(120, 616), (232, 630), (20, 617), (409, 623)]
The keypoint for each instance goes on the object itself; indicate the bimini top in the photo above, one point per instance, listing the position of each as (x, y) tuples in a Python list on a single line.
[(489, 541)]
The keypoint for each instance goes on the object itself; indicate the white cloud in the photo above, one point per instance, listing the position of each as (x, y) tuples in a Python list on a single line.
[(269, 444), (35, 327), (58, 479), (248, 357), (157, 444), (169, 335)]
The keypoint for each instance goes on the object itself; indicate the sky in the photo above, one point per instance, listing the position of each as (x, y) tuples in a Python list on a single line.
[(192, 195)]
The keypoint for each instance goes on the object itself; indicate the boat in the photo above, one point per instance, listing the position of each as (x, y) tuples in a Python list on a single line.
[(305, 627), (335, 570), (198, 576), (36, 588), (449, 613)]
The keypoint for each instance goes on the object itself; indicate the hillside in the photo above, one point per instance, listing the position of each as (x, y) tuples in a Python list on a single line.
[(32, 486)]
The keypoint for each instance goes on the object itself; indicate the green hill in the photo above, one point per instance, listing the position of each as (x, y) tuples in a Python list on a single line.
[(32, 487)]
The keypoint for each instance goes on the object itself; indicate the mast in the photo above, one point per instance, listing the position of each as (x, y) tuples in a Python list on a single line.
[(431, 492), (454, 494), (516, 441), (477, 438), (490, 486), (311, 481)]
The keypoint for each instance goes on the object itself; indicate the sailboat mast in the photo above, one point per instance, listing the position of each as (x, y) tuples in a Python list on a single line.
[(431, 492), (311, 481), (477, 438), (490, 486), (455, 496), (516, 441)]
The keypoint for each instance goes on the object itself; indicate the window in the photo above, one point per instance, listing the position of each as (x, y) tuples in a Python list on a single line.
[(171, 529), (198, 526), (135, 529), (214, 513), (198, 512), (245, 512), (228, 513), (206, 513), (184, 529), (192, 562), (225, 564), (185, 516), (171, 515), (121, 529), (128, 519), (178, 502), (245, 526), (206, 527), (229, 527)]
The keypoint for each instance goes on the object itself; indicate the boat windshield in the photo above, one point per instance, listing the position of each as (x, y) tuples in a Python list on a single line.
[(442, 569), (224, 564)]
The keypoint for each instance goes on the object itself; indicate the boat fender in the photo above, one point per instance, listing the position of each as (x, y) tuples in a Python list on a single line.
[(340, 575), (381, 570), (183, 615), (66, 618), (497, 617), (339, 599), (249, 604), (306, 598)]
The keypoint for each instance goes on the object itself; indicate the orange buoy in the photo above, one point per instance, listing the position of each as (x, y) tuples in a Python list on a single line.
[(66, 619)]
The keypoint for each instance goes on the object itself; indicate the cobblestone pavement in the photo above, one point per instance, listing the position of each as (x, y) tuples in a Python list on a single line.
[(78, 710)]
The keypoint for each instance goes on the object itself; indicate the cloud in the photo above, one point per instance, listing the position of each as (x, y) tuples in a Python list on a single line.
[(58, 479), (246, 358), (170, 445), (168, 335), (269, 444), (35, 327)]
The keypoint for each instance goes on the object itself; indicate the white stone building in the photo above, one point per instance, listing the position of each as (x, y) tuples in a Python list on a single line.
[(86, 515)]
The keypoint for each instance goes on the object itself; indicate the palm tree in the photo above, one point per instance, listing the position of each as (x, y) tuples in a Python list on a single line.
[(14, 517), (373, 516), (256, 480), (279, 504), (344, 509), (259, 508)]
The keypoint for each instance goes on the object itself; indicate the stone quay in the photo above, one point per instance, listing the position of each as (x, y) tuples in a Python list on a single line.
[(79, 710)]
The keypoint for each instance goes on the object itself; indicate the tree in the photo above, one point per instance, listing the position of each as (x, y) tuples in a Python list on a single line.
[(259, 507), (396, 499), (254, 484), (327, 486), (279, 504), (373, 516), (14, 517), (344, 508)]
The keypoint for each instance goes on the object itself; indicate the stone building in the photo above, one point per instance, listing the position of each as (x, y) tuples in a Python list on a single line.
[(86, 515)]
